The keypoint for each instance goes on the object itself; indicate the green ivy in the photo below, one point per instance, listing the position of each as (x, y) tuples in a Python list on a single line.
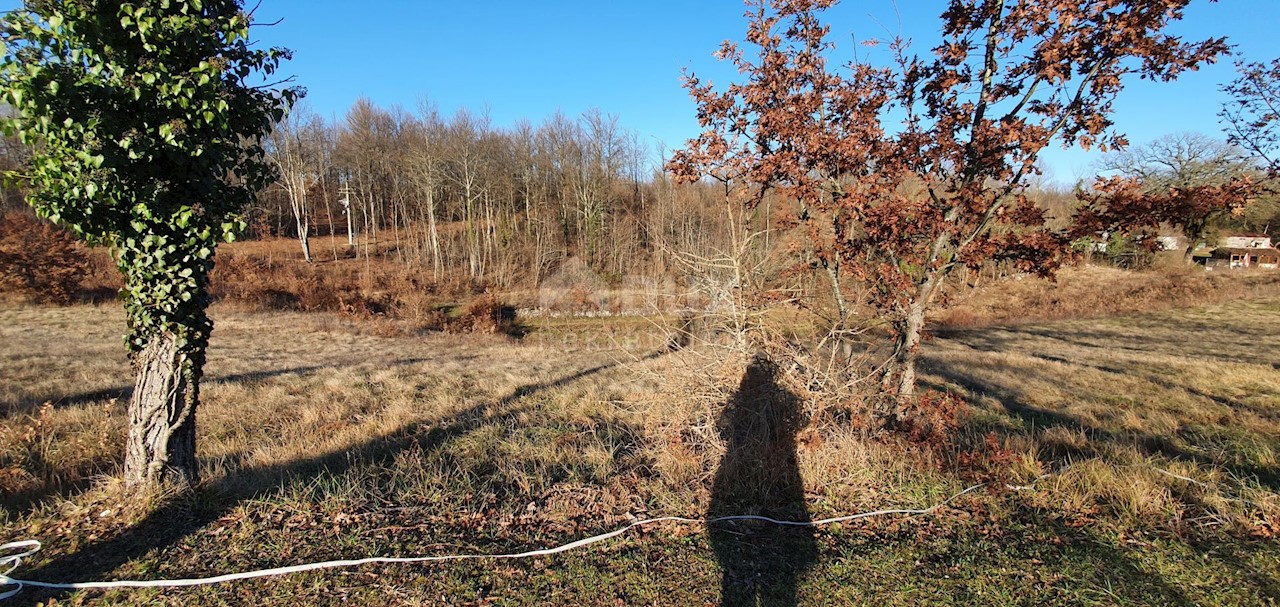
[(146, 123)]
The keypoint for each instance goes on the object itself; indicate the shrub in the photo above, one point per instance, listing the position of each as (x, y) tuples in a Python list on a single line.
[(485, 314), (39, 261), (932, 418)]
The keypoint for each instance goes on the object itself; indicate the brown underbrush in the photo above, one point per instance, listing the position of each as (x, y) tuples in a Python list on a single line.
[(1093, 291), (389, 297), (39, 262)]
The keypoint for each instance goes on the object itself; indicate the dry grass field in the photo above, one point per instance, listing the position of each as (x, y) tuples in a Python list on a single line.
[(1129, 460)]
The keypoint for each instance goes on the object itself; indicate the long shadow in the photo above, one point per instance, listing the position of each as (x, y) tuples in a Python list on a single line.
[(1113, 570), (1035, 418), (1235, 557), (759, 475), (124, 392), (1098, 567), (82, 477), (181, 517), (1213, 343), (8, 409), (1225, 401)]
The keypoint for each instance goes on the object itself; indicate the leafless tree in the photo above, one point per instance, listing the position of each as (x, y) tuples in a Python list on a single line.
[(296, 148)]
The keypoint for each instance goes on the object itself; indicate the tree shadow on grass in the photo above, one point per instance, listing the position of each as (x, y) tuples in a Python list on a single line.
[(9, 409), (70, 482), (1234, 404), (1037, 560), (183, 516), (1213, 343), (759, 475), (1176, 447), (1236, 556)]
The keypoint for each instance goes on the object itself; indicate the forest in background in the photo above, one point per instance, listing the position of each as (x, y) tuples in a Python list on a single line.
[(450, 207)]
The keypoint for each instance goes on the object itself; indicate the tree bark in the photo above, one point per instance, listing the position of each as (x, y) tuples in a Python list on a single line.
[(304, 236), (351, 230), (437, 266), (905, 352), (899, 377), (162, 417)]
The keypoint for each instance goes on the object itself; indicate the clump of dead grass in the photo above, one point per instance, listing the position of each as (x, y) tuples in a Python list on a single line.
[(50, 451)]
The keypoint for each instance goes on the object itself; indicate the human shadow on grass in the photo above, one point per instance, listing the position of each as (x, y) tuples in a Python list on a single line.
[(180, 517), (759, 475)]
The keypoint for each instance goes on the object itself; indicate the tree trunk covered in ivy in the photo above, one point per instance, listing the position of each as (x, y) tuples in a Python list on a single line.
[(165, 298), (147, 122), (162, 416)]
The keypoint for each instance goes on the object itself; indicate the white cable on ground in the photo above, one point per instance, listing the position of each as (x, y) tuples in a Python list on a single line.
[(31, 547)]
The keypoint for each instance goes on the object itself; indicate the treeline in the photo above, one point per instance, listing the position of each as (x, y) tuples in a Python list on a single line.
[(461, 197), (457, 200)]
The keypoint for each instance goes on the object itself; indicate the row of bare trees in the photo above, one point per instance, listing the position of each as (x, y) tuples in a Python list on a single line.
[(498, 205)]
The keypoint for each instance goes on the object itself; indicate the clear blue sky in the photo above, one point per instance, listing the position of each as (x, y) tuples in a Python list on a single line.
[(528, 58)]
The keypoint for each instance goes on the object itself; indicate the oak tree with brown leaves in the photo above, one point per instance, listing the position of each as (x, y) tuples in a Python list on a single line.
[(1128, 205), (1188, 181), (906, 171)]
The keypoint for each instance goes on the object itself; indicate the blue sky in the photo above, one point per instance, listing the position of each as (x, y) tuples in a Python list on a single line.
[(528, 59)]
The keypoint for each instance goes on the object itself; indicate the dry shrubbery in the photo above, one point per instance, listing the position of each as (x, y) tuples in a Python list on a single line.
[(373, 290), (932, 418), (485, 314), (256, 283), (1096, 291), (717, 431), (389, 297), (39, 262)]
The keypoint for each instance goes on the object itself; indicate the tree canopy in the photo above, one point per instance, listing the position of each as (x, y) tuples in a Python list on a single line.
[(1252, 116), (908, 170), (146, 121)]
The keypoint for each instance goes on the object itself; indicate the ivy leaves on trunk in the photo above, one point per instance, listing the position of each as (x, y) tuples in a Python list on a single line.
[(146, 120)]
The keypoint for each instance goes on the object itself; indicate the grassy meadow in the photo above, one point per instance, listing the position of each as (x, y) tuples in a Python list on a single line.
[(1128, 459)]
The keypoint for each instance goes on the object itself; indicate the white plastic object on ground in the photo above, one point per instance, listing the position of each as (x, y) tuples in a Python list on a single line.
[(30, 547)]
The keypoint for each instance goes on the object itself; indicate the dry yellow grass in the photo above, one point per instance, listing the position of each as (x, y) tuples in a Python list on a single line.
[(1094, 291), (279, 388), (288, 390), (318, 438), (1134, 403)]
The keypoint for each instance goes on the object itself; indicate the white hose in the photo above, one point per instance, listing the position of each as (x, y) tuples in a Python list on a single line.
[(31, 547)]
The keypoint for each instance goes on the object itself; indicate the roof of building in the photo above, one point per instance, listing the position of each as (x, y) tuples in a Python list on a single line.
[(1221, 251)]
